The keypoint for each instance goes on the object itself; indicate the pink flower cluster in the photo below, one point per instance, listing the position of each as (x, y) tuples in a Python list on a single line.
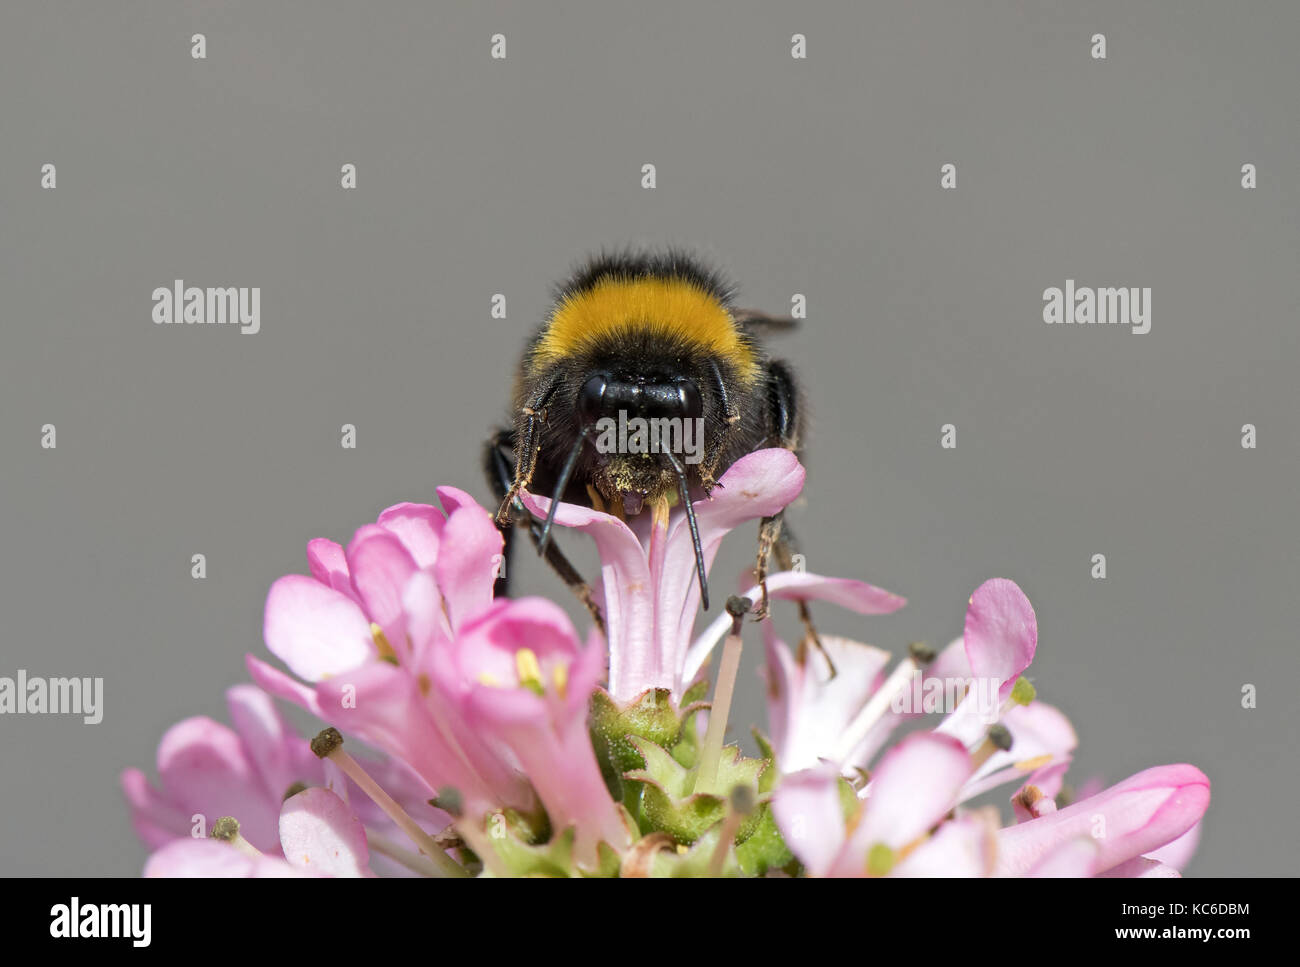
[(479, 710)]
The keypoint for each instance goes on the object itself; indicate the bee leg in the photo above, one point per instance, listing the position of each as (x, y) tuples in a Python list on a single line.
[(769, 533), (785, 422), (501, 478), (786, 550), (525, 456)]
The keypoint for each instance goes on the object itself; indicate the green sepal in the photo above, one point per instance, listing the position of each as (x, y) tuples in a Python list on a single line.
[(686, 750), (668, 803), (652, 716), (554, 858), (696, 860), (765, 849), (767, 781), (696, 693), (528, 859)]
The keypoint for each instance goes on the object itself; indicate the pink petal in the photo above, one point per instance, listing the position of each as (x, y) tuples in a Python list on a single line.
[(381, 704), (1140, 814), (157, 820), (914, 786), (453, 499), (949, 666), (1073, 858), (1179, 852), (320, 834), (279, 755), (1141, 867), (418, 527), (757, 485), (280, 685), (634, 663), (856, 596), (489, 647), (547, 733), (203, 769), (381, 568), (426, 620), (210, 858), (807, 708), (315, 630), (329, 564), (1001, 632), (1038, 730), (467, 563), (963, 847), (806, 806)]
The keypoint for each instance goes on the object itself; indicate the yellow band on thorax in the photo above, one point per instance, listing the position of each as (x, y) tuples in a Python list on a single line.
[(668, 307)]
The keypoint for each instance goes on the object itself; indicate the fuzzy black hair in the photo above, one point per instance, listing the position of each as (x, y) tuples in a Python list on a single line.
[(628, 264)]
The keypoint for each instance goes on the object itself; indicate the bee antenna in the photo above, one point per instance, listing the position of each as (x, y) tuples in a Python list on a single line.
[(683, 491), (560, 486)]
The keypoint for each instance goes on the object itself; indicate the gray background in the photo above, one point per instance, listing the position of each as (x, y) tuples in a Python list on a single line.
[(818, 176)]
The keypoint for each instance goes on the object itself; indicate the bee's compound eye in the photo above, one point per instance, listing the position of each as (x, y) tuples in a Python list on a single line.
[(689, 395), (591, 399)]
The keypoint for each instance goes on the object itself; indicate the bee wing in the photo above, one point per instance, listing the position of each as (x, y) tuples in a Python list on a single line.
[(759, 323)]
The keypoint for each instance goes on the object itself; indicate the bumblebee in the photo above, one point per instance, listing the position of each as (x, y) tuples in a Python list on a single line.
[(651, 336)]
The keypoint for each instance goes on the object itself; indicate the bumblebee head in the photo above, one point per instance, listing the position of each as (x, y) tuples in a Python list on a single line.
[(635, 344), (608, 396)]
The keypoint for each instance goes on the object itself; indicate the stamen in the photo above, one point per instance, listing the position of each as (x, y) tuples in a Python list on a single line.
[(706, 772), (416, 862), (741, 804), (529, 671), (449, 801), (226, 829), (561, 675), (918, 657), (329, 744), (997, 739), (1032, 801), (381, 643)]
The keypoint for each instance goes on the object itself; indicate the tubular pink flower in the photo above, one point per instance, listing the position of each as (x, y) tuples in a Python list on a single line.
[(1140, 814), (650, 594), (367, 628), (209, 770), (521, 676), (319, 835), (396, 639), (914, 788), (915, 785), (808, 708)]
